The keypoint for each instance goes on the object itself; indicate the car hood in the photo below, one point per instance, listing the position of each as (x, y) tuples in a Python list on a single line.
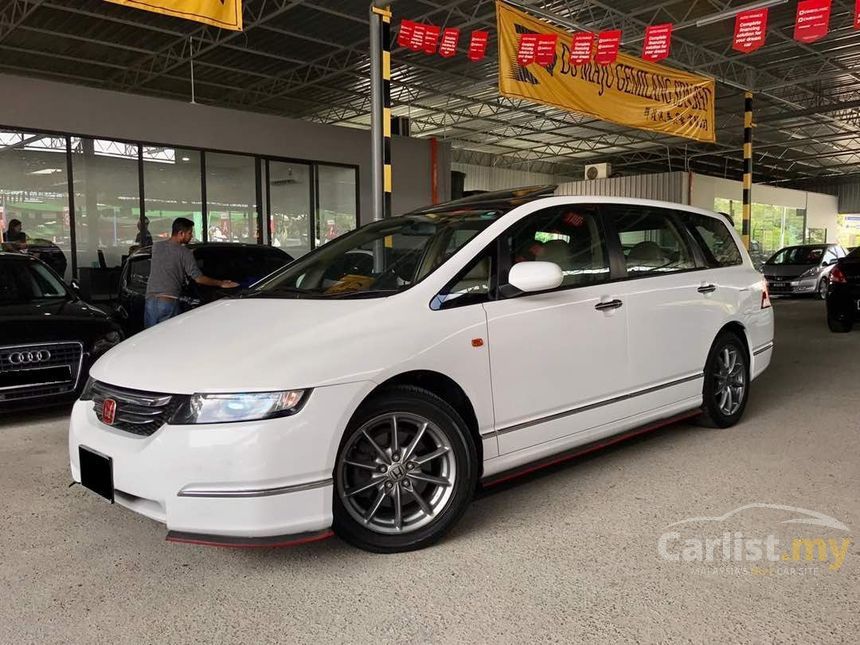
[(45, 321), (260, 345), (786, 270)]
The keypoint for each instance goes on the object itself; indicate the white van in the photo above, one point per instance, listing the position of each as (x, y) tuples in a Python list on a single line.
[(369, 387)]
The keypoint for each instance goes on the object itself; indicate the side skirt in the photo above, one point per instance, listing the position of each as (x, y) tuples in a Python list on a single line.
[(272, 542), (546, 462)]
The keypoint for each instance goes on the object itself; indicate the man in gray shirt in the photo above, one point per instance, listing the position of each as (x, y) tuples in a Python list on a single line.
[(172, 262)]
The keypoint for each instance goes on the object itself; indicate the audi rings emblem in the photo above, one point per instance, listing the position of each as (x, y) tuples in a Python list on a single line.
[(30, 358)]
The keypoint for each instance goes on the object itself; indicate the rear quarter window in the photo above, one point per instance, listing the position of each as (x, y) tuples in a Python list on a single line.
[(715, 240)]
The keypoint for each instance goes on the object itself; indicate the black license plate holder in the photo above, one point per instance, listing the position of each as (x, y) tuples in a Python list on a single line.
[(96, 472)]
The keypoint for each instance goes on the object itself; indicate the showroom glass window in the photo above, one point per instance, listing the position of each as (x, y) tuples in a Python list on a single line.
[(107, 199), (172, 188), (336, 207), (231, 198), (715, 239), (34, 188), (289, 205), (651, 240), (570, 236)]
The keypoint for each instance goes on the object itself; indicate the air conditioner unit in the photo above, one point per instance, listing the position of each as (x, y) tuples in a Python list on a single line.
[(598, 171)]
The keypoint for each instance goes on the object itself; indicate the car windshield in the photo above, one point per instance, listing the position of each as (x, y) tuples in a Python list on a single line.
[(798, 255), (22, 281), (378, 259)]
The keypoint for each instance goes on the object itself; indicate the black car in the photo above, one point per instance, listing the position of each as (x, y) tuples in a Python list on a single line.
[(49, 337), (843, 294), (242, 263)]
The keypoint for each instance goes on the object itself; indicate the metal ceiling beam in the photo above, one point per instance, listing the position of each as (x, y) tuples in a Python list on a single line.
[(14, 14), (197, 43)]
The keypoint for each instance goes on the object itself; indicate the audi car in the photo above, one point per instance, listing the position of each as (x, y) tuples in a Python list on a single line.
[(406, 363), (49, 337), (843, 294), (802, 270), (242, 263)]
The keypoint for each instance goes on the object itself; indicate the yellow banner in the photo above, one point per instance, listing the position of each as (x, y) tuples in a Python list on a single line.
[(226, 14), (630, 91)]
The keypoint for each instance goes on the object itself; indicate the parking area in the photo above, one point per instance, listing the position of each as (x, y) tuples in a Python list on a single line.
[(568, 555)]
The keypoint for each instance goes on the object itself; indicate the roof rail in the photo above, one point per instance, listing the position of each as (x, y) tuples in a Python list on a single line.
[(524, 194)]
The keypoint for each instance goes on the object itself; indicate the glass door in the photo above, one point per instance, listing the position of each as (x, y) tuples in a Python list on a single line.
[(289, 206)]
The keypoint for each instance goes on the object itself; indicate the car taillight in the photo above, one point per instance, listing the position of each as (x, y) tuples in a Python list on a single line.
[(837, 276), (765, 295)]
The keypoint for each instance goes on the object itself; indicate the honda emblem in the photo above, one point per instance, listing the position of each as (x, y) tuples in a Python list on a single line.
[(109, 411)]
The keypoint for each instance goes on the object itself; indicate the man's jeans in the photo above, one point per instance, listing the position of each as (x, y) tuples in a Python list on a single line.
[(158, 310)]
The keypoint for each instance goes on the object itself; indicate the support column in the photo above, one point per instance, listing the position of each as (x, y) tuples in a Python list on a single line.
[(747, 195), (380, 95)]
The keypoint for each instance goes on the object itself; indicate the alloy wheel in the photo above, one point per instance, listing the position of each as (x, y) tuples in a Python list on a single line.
[(396, 473), (730, 378)]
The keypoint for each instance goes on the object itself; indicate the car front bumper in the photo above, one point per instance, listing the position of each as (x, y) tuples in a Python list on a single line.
[(792, 287), (244, 480)]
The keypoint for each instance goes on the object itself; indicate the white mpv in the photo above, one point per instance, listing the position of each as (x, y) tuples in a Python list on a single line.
[(368, 388)]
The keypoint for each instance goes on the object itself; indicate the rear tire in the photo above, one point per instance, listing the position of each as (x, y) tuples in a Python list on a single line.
[(727, 382), (405, 472), (839, 326)]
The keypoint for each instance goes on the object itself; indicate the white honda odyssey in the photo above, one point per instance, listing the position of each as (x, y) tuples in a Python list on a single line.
[(368, 388)]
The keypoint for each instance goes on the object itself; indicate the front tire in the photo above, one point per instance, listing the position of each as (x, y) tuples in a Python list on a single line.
[(727, 382), (405, 472), (821, 292)]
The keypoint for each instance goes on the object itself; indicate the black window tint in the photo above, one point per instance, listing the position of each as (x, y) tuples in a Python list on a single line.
[(714, 237), (138, 274), (651, 240), (570, 236), (244, 265)]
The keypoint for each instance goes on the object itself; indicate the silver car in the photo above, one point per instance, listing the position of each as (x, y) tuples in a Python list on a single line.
[(798, 270)]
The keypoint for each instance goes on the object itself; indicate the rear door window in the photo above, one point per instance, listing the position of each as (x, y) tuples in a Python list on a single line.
[(651, 240), (714, 238)]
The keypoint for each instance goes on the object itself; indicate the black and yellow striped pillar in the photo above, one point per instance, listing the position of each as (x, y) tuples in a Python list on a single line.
[(383, 25), (748, 160)]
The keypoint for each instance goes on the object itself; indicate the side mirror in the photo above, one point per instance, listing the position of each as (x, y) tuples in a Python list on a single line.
[(535, 276), (75, 286), (832, 261)]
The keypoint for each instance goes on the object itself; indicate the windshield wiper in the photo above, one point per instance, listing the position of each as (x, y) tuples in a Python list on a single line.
[(371, 293)]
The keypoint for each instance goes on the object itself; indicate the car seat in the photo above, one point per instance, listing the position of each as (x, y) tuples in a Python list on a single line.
[(646, 254)]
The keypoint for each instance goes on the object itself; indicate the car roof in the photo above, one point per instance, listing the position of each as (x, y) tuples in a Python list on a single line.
[(495, 200), (510, 199)]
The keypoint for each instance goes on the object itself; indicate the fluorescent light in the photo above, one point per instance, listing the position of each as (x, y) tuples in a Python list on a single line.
[(731, 13), (186, 158), (46, 171)]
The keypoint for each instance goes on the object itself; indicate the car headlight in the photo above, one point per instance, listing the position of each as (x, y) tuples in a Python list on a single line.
[(106, 342), (229, 408), (809, 273)]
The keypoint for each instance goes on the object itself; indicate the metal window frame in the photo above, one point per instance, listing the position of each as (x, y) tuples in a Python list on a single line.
[(262, 215)]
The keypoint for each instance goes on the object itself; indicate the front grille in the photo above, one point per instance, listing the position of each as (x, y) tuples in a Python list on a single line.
[(140, 413), (39, 369)]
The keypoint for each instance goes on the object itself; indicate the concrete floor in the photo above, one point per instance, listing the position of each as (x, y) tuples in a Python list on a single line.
[(567, 556)]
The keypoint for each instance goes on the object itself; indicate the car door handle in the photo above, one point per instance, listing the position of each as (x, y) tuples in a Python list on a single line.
[(707, 288), (610, 304)]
